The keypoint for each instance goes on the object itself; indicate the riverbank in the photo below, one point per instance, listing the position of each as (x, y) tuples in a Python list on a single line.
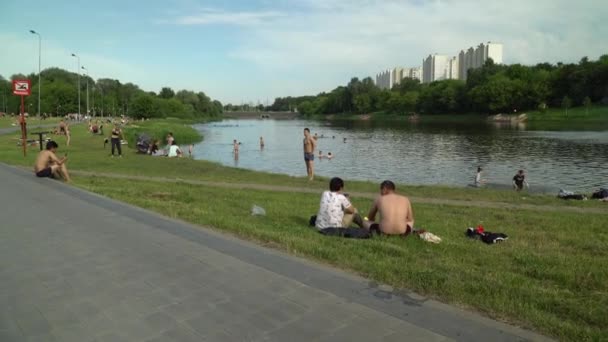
[(576, 115), (544, 277)]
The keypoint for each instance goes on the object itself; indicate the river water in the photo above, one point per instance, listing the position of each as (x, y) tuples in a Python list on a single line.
[(407, 153)]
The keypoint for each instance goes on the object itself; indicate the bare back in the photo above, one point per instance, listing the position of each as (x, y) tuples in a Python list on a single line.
[(45, 159), (395, 212)]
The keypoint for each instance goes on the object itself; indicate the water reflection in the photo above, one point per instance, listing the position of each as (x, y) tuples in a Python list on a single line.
[(420, 153)]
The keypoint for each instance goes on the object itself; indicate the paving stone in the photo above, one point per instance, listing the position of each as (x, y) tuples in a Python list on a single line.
[(33, 323)]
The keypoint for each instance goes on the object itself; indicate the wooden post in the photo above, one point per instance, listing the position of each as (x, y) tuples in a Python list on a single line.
[(23, 128)]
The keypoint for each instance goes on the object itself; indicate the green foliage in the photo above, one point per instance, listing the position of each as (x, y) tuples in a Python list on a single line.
[(107, 97), (492, 88)]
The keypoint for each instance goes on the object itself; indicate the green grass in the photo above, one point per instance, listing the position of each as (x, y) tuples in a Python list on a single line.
[(551, 274), (596, 113)]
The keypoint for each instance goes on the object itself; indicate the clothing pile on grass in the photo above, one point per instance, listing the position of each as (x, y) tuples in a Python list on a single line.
[(479, 233), (568, 195)]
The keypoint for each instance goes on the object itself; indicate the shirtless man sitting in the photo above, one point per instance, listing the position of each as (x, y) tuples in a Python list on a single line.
[(48, 165), (395, 211)]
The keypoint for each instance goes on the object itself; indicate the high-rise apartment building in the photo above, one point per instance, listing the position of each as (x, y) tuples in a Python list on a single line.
[(434, 68), (476, 58), (389, 78)]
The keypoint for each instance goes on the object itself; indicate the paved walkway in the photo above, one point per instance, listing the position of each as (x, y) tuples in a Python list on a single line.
[(75, 266)]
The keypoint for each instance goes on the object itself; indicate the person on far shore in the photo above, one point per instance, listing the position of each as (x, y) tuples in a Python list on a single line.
[(519, 180), (48, 165), (478, 180), (190, 149), (309, 153), (396, 215), (261, 143)]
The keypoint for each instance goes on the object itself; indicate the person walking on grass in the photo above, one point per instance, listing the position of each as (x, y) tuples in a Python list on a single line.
[(309, 154), (115, 139)]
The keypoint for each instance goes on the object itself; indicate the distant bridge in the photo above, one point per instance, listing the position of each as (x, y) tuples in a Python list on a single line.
[(262, 115)]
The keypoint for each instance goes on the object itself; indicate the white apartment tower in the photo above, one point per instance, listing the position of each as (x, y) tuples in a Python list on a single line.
[(434, 68), (476, 58)]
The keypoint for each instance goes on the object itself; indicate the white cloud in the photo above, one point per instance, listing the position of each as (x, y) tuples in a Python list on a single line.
[(210, 16), (367, 35)]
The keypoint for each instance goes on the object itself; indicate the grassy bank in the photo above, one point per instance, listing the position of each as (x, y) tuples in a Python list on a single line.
[(87, 153), (550, 275), (546, 277), (594, 114)]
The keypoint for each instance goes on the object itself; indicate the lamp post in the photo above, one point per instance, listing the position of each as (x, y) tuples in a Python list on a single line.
[(87, 70), (39, 60), (78, 72)]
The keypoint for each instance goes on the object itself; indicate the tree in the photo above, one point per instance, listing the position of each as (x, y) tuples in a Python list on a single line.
[(587, 104), (166, 93), (566, 103)]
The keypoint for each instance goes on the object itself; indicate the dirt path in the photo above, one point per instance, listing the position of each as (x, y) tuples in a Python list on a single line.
[(425, 200)]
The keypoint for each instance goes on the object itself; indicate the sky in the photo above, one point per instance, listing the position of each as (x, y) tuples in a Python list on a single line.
[(256, 50)]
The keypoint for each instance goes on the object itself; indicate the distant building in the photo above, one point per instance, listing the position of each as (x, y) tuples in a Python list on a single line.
[(389, 78), (452, 68), (476, 58), (434, 68)]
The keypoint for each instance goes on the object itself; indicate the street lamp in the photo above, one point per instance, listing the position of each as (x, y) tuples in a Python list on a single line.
[(39, 60), (78, 72), (87, 70)]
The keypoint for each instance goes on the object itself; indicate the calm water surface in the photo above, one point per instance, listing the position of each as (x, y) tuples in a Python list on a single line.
[(416, 153)]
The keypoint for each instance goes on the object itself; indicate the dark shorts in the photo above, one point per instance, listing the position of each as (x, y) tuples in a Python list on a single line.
[(375, 229), (309, 156), (45, 173)]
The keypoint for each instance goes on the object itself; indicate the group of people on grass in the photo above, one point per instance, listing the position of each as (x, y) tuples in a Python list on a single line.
[(337, 211), (172, 150)]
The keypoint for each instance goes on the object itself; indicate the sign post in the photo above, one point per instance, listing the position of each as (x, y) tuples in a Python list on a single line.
[(22, 88)]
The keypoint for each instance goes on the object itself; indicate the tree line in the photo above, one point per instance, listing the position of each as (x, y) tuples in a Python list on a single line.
[(107, 97), (490, 89)]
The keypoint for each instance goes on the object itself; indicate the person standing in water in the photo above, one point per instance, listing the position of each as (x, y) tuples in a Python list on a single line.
[(478, 181), (235, 148), (309, 153), (261, 143)]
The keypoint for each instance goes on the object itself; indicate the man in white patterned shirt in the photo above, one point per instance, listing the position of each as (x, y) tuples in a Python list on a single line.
[(335, 210)]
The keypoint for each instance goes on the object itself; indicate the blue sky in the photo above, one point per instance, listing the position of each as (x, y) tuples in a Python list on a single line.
[(250, 50)]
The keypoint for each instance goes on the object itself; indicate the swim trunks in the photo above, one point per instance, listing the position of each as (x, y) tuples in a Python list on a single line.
[(309, 156), (45, 173), (375, 229)]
